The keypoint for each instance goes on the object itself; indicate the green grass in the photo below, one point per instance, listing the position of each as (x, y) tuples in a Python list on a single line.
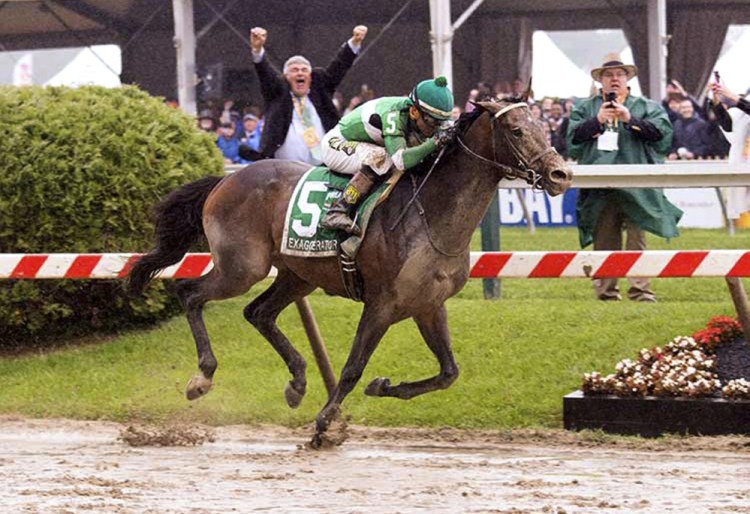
[(518, 356)]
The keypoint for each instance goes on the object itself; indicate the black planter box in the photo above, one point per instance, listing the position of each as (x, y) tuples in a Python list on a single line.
[(653, 416)]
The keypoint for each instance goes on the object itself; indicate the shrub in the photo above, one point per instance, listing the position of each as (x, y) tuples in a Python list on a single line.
[(81, 170)]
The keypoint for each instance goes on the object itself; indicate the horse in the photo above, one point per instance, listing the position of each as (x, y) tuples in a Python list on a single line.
[(415, 255)]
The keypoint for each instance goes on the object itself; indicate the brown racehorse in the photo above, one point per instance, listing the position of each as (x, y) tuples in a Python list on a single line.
[(409, 265)]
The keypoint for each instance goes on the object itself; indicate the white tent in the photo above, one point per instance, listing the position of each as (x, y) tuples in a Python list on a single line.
[(732, 66), (99, 65), (554, 74)]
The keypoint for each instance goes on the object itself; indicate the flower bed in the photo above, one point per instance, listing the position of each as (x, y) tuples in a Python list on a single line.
[(698, 384), (708, 364)]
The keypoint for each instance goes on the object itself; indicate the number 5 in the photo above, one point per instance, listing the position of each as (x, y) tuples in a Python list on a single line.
[(308, 207), (391, 122)]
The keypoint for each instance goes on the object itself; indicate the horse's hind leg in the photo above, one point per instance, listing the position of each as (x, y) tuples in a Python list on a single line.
[(193, 295), (262, 313), (434, 329)]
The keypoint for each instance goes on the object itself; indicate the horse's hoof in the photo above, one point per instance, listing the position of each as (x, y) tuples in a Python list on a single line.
[(197, 387), (378, 387), (293, 397), (316, 442), (325, 418)]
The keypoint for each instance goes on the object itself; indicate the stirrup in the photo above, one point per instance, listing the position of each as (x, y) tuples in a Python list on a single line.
[(340, 220)]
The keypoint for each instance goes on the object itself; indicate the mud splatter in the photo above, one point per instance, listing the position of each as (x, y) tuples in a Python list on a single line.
[(141, 435)]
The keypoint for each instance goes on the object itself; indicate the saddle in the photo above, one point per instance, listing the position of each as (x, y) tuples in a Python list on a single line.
[(303, 236)]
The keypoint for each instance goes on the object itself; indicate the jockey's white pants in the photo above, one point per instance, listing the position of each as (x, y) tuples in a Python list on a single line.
[(347, 157)]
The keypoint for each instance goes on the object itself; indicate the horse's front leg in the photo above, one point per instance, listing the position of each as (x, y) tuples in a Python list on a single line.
[(434, 329), (371, 329)]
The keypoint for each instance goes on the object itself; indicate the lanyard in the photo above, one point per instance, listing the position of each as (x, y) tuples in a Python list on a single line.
[(299, 107)]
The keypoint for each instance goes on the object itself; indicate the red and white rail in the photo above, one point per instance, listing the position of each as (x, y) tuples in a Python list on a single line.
[(92, 266), (694, 263)]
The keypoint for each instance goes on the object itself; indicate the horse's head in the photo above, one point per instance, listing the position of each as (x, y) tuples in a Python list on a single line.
[(518, 145)]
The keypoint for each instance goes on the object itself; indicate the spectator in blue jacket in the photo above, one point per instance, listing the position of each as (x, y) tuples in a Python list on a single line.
[(249, 134), (229, 145)]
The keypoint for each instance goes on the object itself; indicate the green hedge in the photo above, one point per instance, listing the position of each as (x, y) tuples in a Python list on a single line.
[(80, 170)]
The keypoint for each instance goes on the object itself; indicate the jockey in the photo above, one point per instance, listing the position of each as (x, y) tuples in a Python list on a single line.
[(383, 133)]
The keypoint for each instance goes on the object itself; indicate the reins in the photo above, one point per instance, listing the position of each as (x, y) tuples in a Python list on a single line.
[(417, 190), (421, 211)]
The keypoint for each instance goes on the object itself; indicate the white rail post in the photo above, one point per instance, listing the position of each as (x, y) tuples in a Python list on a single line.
[(184, 42), (657, 48), (441, 37)]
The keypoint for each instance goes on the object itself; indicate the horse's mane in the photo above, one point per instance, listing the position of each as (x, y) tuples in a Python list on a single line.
[(511, 99), (465, 120)]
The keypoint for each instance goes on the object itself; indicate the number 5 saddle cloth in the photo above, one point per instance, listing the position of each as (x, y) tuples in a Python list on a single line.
[(313, 195)]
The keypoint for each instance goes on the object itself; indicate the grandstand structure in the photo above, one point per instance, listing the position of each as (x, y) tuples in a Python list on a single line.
[(469, 40)]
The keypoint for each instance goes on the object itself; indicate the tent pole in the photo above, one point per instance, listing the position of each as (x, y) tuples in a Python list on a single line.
[(657, 48), (184, 42)]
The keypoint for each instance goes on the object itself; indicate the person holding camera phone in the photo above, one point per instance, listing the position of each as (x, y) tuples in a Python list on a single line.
[(735, 124), (616, 127), (720, 90)]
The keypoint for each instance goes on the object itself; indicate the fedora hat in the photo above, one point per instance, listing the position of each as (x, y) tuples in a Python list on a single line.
[(613, 63)]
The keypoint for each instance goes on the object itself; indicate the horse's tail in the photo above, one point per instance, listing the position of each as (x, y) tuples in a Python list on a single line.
[(179, 224)]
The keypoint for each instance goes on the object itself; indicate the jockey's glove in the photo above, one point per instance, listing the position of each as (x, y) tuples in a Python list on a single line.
[(445, 136)]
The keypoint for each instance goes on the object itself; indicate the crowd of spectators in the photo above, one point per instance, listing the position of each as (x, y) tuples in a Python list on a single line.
[(697, 133), (244, 123), (232, 127)]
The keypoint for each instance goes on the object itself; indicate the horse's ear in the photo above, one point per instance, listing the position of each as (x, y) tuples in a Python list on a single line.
[(527, 94)]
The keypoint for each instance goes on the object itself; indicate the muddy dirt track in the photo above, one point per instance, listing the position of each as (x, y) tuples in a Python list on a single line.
[(58, 466)]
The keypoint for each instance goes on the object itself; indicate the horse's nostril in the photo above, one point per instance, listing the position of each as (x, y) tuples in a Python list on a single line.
[(560, 176)]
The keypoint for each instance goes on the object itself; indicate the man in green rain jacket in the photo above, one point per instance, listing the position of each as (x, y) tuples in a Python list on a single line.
[(615, 127)]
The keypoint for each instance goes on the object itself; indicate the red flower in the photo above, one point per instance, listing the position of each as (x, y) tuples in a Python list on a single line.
[(719, 330)]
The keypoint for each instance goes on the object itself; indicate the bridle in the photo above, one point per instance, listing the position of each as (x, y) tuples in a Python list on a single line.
[(524, 170), (525, 167)]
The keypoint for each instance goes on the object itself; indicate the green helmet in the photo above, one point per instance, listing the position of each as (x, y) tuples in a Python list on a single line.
[(433, 98)]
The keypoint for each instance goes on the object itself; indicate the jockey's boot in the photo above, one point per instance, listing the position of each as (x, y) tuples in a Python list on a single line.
[(339, 214)]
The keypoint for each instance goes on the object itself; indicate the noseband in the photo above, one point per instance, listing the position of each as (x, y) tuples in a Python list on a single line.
[(525, 167)]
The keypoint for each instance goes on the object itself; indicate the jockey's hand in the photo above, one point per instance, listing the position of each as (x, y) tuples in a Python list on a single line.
[(445, 136), (258, 36), (358, 34)]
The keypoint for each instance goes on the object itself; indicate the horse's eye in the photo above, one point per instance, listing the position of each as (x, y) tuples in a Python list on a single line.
[(517, 131)]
